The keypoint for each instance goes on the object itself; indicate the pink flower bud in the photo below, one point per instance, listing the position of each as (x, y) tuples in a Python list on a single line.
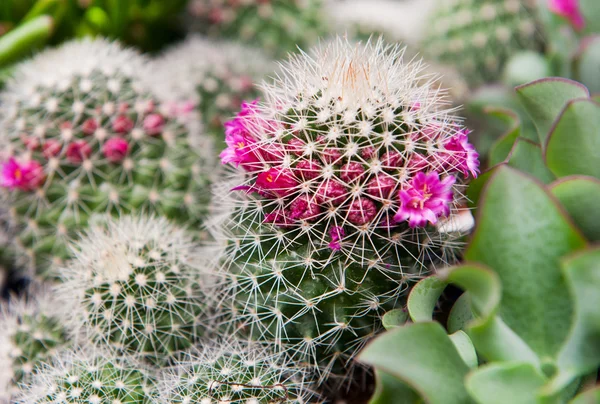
[(90, 126), (278, 181), (123, 107), (115, 149), (336, 233), (295, 146), (154, 124), (51, 148), (279, 218), (31, 142), (368, 152), (307, 169), (331, 155), (391, 160), (302, 208), (362, 211), (122, 124), (78, 151), (351, 171), (331, 192), (381, 186)]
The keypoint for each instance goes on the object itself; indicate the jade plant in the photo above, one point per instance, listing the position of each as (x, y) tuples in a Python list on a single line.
[(83, 133), (527, 328), (344, 174)]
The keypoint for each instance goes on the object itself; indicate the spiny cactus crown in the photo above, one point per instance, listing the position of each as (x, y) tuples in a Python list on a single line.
[(234, 372), (477, 37), (135, 285), (214, 76), (82, 136), (87, 376), (276, 25), (31, 329), (345, 170)]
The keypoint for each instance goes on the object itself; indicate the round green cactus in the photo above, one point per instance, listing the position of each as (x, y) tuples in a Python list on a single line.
[(212, 76), (233, 372), (83, 135), (477, 37), (279, 26), (87, 376), (31, 330), (135, 285)]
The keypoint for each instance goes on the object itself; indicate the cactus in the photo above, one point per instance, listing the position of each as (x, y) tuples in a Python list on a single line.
[(233, 372), (135, 285), (345, 170), (85, 376), (84, 136), (214, 76), (279, 26), (477, 37), (30, 332)]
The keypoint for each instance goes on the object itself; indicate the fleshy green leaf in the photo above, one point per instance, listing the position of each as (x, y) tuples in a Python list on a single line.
[(527, 156), (588, 397), (580, 195), (588, 63), (581, 352), (544, 99), (465, 348), (394, 318), (390, 390), (521, 235), (503, 383), (460, 314), (502, 147), (424, 357), (20, 41), (573, 147), (424, 297)]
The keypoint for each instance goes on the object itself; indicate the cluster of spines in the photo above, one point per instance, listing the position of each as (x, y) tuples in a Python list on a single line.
[(477, 37), (84, 136)]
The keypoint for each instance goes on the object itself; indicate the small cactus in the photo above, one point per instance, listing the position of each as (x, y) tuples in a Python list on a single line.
[(87, 376), (213, 76), (344, 172), (82, 135), (31, 330), (135, 286), (478, 37), (233, 372), (279, 26)]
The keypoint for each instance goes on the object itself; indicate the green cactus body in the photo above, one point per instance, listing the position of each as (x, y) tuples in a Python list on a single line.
[(31, 331), (279, 26), (87, 377), (98, 143), (318, 239), (478, 37), (135, 287), (233, 372), (214, 76)]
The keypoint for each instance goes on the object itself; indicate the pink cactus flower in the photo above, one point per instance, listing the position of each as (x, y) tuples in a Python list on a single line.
[(302, 208), (331, 192), (242, 147), (425, 200), (278, 181), (24, 176), (308, 169), (122, 124), (51, 148), (570, 10), (351, 171), (381, 186), (336, 233), (115, 149), (362, 211), (154, 124), (78, 151), (463, 156)]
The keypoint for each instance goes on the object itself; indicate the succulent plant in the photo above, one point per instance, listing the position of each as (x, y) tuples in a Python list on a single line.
[(236, 372), (83, 135), (343, 174), (136, 286), (87, 376), (31, 331), (279, 26), (477, 37), (214, 76)]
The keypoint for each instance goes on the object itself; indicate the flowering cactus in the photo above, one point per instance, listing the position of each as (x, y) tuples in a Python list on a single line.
[(87, 376), (477, 37), (345, 171), (233, 372), (30, 331), (212, 76), (570, 10), (81, 135), (134, 285), (278, 26)]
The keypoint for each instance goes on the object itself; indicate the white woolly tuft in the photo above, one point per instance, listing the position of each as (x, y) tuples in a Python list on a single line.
[(235, 372), (87, 376)]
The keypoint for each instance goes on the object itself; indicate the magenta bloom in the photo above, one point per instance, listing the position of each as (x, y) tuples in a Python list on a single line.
[(336, 233), (242, 148), (24, 176), (462, 157), (115, 149), (570, 10), (154, 124), (278, 181), (425, 200)]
